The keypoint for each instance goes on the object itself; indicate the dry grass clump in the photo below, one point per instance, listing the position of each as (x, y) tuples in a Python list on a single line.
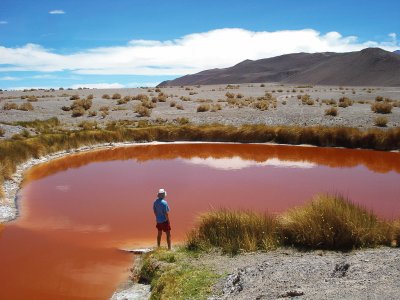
[(203, 107), (215, 107), (180, 107), (78, 111), (32, 99), (381, 121), (88, 125), (329, 101), (82, 103), (9, 106), (381, 107), (2, 132), (124, 100), (185, 98), (234, 231), (142, 110), (92, 113), (230, 95), (172, 104), (27, 106), (116, 96), (334, 223), (306, 99), (141, 97), (90, 96), (74, 97), (162, 97), (345, 102), (332, 111), (106, 96)]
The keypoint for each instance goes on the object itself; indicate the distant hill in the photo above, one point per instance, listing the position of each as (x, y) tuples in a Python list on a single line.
[(397, 52), (368, 67)]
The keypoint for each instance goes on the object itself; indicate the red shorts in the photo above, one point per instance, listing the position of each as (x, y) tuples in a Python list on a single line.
[(164, 226)]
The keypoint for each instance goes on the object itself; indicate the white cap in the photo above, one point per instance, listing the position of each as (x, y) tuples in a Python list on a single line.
[(162, 191)]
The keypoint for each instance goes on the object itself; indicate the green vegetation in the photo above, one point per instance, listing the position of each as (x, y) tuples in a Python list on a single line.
[(173, 275), (326, 222)]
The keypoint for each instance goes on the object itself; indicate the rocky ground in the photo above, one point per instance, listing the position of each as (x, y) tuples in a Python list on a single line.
[(287, 273), (289, 109)]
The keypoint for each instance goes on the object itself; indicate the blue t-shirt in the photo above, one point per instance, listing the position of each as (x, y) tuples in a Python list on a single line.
[(161, 208)]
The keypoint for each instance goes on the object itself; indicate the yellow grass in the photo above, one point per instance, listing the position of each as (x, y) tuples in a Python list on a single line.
[(327, 222)]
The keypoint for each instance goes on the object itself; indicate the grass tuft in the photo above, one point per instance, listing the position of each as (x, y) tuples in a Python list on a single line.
[(234, 231), (334, 223)]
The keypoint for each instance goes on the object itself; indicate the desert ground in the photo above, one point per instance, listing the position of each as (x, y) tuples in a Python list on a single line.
[(271, 104)]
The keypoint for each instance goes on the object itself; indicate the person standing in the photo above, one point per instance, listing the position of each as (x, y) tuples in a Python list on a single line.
[(161, 210)]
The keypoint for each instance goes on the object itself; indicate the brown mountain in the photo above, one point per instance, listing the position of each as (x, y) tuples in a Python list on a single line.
[(368, 67)]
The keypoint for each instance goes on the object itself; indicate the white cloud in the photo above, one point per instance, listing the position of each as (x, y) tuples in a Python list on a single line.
[(57, 12), (3, 22), (98, 85), (237, 163), (9, 78), (188, 54)]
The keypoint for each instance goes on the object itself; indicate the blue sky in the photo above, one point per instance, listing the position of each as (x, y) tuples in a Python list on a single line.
[(52, 43)]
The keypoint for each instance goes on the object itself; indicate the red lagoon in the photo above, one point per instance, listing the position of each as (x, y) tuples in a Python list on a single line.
[(78, 211)]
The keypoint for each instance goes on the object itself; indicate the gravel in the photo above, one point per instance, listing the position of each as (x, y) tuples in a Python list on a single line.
[(287, 273)]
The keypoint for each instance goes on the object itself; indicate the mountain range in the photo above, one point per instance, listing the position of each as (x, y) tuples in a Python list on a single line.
[(368, 67)]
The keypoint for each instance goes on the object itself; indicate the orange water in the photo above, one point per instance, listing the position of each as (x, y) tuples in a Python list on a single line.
[(76, 212)]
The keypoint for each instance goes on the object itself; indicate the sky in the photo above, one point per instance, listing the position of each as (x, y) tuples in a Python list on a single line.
[(129, 43)]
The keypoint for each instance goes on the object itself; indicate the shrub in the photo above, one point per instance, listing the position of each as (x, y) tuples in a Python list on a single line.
[(378, 98), (88, 125), (92, 113), (116, 96), (78, 111), (141, 97), (106, 96), (162, 97), (185, 98), (2, 132), (74, 97), (332, 111), (32, 99), (203, 107), (142, 111), (180, 107), (122, 101), (381, 108), (9, 106), (345, 102), (182, 121), (381, 121), (90, 96), (104, 108), (172, 104), (230, 95), (27, 106), (239, 96), (83, 103), (334, 223), (215, 107)]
